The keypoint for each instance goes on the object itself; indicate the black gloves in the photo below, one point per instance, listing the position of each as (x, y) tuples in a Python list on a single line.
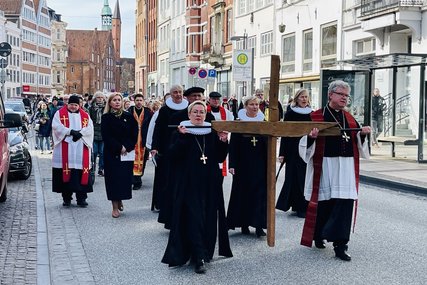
[(76, 135)]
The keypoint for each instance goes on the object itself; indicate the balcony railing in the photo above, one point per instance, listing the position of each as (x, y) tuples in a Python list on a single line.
[(369, 7)]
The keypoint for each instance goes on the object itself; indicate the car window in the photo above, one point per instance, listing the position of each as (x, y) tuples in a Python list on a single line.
[(15, 107)]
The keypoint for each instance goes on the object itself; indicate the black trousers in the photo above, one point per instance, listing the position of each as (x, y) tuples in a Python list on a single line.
[(68, 196), (333, 221)]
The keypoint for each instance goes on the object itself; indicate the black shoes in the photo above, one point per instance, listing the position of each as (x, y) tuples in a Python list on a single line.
[(200, 268), (319, 244), (82, 204), (260, 232), (300, 214), (101, 172), (245, 231), (136, 187), (341, 252), (66, 203)]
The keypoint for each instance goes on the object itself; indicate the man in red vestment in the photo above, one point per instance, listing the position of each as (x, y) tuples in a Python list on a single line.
[(332, 176)]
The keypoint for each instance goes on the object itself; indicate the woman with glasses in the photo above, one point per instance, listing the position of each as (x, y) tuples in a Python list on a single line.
[(248, 165), (198, 207)]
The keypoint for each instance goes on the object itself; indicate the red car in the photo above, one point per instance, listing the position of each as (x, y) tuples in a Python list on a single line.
[(6, 121)]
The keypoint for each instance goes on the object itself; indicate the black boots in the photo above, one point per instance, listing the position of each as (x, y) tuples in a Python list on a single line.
[(341, 252), (245, 231), (199, 267), (319, 243), (82, 203), (260, 232)]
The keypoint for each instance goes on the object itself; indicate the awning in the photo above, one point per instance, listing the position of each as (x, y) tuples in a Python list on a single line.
[(385, 61)]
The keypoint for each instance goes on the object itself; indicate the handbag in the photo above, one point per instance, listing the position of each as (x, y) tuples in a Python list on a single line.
[(37, 127)]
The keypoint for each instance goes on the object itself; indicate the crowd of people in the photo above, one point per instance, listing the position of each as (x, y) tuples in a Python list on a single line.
[(191, 160)]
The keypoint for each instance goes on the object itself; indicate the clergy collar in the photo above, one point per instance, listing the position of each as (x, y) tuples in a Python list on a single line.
[(197, 131), (303, 111), (242, 116), (175, 106)]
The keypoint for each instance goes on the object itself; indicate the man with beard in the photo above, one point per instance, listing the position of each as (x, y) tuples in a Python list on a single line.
[(95, 111), (142, 116)]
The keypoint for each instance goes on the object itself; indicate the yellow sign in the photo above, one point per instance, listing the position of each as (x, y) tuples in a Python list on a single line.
[(242, 58)]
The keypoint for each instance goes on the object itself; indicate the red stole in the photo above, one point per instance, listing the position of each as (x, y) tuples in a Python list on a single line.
[(223, 118), (66, 172), (138, 163), (310, 220)]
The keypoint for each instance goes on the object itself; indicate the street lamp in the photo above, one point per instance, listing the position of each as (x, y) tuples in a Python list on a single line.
[(245, 46)]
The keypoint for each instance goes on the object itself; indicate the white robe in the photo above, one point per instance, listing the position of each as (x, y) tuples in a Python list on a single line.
[(75, 149), (150, 131), (333, 183)]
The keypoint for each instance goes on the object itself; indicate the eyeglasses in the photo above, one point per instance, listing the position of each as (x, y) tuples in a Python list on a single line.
[(342, 94)]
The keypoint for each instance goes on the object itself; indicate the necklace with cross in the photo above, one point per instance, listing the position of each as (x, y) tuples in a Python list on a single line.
[(254, 141)]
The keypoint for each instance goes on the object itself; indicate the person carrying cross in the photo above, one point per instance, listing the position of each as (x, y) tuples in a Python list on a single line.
[(332, 176), (72, 132), (248, 165)]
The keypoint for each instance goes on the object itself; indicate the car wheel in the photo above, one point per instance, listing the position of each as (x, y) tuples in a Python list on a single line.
[(3, 196), (25, 174)]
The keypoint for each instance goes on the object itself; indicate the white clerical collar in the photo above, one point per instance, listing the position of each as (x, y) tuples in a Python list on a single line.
[(197, 131), (243, 117), (174, 106), (303, 111)]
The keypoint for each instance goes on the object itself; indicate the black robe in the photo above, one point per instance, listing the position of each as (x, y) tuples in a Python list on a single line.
[(248, 200), (292, 193), (118, 132), (165, 215), (198, 200), (161, 142)]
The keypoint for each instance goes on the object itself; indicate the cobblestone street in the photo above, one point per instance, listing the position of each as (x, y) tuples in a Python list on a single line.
[(18, 234)]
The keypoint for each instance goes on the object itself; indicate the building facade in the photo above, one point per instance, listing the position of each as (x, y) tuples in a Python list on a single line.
[(59, 55), (163, 46), (141, 47)]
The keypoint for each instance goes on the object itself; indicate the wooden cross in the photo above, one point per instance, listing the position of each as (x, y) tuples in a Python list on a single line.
[(203, 157), (273, 129), (63, 119), (254, 141)]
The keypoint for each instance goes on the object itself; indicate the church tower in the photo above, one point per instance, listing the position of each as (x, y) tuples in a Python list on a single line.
[(106, 17), (117, 29)]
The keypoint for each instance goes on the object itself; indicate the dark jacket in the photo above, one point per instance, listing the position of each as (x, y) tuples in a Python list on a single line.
[(93, 113)]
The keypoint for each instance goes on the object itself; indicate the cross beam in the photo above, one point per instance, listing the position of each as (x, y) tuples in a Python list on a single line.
[(273, 129)]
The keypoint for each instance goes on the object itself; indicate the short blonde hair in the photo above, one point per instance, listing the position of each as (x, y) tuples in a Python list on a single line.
[(110, 98), (249, 98), (197, 102)]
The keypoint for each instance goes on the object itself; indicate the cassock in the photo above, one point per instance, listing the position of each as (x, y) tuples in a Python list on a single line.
[(198, 212), (292, 193), (248, 200), (154, 199), (332, 178), (71, 161), (117, 132), (161, 140), (142, 117)]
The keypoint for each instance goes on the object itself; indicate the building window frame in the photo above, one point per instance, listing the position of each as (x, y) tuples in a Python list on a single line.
[(328, 45), (288, 53), (307, 61)]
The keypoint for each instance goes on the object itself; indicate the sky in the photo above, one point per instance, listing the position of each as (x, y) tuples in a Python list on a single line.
[(86, 15)]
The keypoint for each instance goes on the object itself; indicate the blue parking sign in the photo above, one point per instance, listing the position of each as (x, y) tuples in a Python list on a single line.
[(212, 73)]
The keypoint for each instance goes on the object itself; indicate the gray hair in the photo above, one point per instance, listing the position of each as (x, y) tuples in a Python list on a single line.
[(338, 84), (299, 93), (248, 98), (176, 87)]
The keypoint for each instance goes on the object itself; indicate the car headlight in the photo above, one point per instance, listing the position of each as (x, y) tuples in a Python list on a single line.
[(17, 147)]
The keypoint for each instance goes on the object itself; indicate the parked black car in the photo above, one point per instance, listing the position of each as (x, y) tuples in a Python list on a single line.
[(21, 164)]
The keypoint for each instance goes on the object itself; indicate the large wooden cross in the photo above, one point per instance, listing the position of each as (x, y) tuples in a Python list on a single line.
[(273, 129)]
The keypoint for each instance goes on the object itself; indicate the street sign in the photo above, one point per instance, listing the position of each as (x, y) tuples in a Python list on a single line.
[(192, 70), (203, 73), (212, 73), (26, 88), (5, 49), (242, 65), (3, 63)]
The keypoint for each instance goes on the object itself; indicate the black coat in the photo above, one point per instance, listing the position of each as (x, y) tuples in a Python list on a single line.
[(145, 123), (248, 200), (118, 132), (292, 193), (198, 208)]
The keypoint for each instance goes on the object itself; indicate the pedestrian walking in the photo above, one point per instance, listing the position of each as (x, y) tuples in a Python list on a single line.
[(292, 193), (43, 123), (96, 110), (248, 165), (119, 131), (378, 108), (71, 161), (198, 212), (332, 178), (142, 116)]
